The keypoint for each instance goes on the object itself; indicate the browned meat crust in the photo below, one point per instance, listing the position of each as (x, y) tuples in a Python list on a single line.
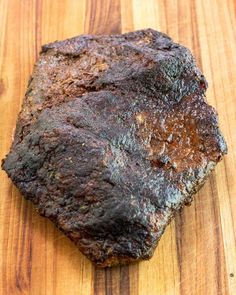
[(114, 136)]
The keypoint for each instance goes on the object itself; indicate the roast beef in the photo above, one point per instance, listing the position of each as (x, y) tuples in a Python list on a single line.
[(114, 136)]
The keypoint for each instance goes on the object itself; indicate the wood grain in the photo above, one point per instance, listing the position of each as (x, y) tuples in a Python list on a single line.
[(197, 254)]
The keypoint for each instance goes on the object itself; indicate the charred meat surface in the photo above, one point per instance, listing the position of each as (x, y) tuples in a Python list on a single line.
[(114, 136)]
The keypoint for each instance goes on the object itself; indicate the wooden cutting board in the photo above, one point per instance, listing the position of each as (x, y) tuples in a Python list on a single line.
[(197, 254)]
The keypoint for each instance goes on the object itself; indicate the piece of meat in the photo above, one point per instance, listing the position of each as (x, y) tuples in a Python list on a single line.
[(114, 136)]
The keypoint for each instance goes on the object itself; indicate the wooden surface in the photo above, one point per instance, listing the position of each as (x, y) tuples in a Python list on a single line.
[(197, 254)]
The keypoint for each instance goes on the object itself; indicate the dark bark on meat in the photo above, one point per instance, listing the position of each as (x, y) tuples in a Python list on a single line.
[(114, 136)]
